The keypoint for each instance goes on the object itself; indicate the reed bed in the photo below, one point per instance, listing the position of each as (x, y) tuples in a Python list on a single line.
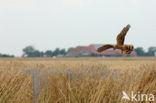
[(93, 80)]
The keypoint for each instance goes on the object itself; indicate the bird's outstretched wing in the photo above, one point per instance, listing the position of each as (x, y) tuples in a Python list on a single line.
[(121, 36), (104, 47)]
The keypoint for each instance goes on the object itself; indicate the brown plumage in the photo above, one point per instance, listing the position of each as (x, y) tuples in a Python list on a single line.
[(126, 49)]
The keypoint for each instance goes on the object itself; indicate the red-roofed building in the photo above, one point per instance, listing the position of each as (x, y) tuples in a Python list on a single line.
[(92, 49)]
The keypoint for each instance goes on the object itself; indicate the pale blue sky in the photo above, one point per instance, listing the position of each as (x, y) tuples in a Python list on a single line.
[(47, 24)]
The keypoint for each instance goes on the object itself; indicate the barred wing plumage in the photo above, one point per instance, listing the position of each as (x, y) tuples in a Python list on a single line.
[(121, 36)]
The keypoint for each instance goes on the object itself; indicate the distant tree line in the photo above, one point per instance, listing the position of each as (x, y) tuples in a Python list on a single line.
[(30, 51), (6, 56), (151, 51)]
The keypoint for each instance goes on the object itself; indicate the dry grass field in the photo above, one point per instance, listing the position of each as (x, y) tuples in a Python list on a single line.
[(93, 80)]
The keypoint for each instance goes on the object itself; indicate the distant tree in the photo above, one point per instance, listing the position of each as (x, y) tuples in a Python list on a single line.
[(49, 53), (140, 51), (56, 52), (28, 50), (62, 51), (6, 56), (41, 54), (151, 51), (69, 49), (35, 53)]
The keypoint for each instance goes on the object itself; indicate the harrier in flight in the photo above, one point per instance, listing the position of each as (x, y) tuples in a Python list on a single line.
[(126, 49)]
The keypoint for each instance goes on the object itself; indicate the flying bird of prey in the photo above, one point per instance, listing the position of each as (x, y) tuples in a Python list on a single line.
[(126, 49)]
